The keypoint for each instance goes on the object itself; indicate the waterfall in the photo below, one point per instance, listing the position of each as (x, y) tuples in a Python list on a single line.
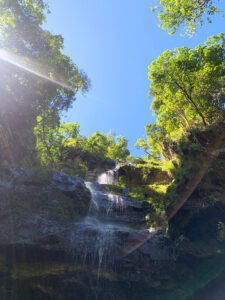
[(102, 205), (109, 177), (116, 201), (108, 231)]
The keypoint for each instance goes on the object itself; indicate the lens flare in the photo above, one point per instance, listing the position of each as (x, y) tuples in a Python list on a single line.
[(14, 60)]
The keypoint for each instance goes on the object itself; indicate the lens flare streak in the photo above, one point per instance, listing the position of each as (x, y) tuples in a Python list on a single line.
[(4, 55)]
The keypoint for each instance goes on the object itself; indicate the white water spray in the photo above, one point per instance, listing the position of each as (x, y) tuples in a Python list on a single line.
[(108, 177)]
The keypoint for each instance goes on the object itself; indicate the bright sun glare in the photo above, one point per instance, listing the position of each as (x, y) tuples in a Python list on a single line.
[(14, 60)]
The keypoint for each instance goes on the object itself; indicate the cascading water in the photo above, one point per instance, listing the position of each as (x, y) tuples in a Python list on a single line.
[(105, 232), (109, 177), (101, 207), (104, 204)]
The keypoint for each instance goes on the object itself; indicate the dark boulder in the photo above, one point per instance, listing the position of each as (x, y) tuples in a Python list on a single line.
[(35, 204)]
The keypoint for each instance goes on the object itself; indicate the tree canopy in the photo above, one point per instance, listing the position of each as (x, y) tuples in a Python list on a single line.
[(188, 86), (58, 142), (35, 74), (173, 13)]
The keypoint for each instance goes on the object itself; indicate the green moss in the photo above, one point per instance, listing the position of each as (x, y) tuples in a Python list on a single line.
[(153, 194), (31, 270), (114, 189), (65, 210), (189, 165), (143, 174), (147, 183), (43, 173), (79, 170)]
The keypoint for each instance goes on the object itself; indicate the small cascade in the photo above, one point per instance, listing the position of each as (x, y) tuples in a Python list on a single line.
[(109, 177), (105, 245), (94, 206), (104, 204), (116, 201), (106, 232)]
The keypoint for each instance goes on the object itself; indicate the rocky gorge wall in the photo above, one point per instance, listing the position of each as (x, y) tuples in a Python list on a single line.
[(42, 234)]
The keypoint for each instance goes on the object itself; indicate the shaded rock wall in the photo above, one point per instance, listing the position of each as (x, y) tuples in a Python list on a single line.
[(37, 204)]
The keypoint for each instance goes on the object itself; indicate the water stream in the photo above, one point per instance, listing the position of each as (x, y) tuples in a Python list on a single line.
[(107, 227), (109, 177)]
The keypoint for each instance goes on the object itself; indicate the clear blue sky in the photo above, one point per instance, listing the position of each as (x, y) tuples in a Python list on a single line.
[(114, 42)]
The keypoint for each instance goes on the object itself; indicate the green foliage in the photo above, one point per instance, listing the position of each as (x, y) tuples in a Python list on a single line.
[(173, 13), (114, 189), (170, 166), (97, 144), (53, 139), (106, 146), (153, 197), (12, 11), (155, 137), (59, 142), (183, 169), (133, 160), (188, 90), (141, 144), (117, 149), (148, 183), (153, 194), (188, 86), (29, 55), (47, 142), (80, 169)]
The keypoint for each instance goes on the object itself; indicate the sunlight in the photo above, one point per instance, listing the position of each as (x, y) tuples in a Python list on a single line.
[(15, 60)]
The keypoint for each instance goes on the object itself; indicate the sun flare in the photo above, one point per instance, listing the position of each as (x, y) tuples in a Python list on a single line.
[(20, 63)]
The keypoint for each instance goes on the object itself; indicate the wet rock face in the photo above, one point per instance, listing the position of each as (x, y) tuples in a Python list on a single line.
[(50, 249), (114, 208), (37, 204), (97, 166)]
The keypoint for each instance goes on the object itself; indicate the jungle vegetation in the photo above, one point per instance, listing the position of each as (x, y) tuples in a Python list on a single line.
[(35, 75), (39, 82), (190, 13)]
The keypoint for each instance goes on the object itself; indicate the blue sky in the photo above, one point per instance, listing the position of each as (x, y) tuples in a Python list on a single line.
[(114, 42)]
